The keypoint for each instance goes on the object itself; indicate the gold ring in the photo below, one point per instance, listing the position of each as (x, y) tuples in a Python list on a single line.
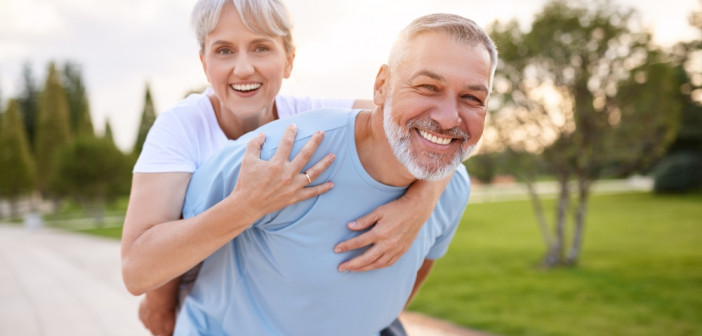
[(308, 178)]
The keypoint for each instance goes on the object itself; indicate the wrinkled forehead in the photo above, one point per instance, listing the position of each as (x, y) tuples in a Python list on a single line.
[(443, 56)]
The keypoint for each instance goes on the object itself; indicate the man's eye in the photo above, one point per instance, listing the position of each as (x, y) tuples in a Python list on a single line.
[(473, 98), (262, 49), (428, 87), (224, 51)]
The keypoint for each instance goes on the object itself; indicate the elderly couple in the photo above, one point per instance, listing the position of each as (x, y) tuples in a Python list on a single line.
[(317, 223)]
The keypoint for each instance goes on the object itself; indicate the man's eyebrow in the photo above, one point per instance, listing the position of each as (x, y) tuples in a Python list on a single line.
[(478, 87), (435, 76), (430, 74)]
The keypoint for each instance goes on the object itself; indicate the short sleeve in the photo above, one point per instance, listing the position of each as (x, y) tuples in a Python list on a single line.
[(449, 212), (167, 148)]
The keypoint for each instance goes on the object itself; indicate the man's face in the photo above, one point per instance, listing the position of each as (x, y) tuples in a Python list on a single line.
[(435, 103)]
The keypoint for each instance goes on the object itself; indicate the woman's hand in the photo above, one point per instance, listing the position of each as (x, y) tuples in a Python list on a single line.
[(395, 226), (274, 184)]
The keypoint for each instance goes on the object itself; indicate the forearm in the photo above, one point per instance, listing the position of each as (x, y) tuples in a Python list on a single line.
[(421, 277), (166, 296), (427, 193), (167, 250)]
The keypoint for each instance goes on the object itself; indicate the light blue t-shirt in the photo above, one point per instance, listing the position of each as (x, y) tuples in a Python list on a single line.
[(279, 277)]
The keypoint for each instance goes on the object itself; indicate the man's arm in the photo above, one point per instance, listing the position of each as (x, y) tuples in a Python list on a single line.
[(421, 277)]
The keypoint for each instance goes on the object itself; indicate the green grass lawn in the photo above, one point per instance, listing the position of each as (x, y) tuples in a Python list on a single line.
[(640, 272)]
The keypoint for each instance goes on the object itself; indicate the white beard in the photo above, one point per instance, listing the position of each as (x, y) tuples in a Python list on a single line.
[(398, 137)]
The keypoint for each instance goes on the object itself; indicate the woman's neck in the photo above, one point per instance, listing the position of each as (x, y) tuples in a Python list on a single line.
[(234, 126)]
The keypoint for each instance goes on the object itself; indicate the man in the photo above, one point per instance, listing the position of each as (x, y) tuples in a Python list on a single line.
[(279, 276)]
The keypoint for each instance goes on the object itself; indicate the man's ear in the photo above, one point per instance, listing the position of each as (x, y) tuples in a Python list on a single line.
[(380, 89)]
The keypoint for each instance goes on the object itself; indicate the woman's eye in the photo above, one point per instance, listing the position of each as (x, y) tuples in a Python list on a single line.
[(224, 51), (428, 87), (262, 49)]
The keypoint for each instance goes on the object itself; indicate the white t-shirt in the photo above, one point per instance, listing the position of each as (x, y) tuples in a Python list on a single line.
[(183, 137)]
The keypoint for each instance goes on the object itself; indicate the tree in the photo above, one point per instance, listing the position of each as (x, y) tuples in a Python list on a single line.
[(53, 127), (91, 171), (108, 133), (29, 104), (18, 177), (148, 116), (79, 109), (586, 89)]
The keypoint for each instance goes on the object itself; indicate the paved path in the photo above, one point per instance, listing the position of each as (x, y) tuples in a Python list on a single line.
[(55, 283)]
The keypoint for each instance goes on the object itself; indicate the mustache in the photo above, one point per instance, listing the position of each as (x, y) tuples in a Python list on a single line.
[(434, 127)]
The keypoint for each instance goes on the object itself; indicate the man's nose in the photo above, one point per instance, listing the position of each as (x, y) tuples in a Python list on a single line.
[(446, 114)]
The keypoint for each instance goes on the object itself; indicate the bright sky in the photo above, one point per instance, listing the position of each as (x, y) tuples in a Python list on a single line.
[(122, 45)]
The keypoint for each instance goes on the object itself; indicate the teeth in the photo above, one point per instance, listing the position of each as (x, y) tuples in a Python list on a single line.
[(434, 138), (246, 87)]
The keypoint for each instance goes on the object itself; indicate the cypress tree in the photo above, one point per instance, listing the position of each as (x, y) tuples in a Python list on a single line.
[(16, 164), (29, 104), (79, 109), (53, 126), (148, 116), (108, 133)]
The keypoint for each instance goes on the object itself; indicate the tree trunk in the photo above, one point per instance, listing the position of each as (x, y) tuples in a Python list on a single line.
[(555, 255), (583, 195), (539, 212)]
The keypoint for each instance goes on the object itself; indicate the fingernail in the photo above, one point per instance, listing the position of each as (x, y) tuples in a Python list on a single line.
[(337, 250), (341, 270), (292, 126), (353, 225)]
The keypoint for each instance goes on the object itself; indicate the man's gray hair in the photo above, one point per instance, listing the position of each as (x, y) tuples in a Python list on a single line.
[(266, 17), (459, 28)]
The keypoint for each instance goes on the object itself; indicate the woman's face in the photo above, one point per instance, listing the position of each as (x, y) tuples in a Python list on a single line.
[(245, 69)]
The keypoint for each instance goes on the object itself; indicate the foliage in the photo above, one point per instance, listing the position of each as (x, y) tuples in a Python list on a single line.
[(77, 98), (585, 89), (679, 172), (16, 163), (91, 171), (148, 116), (641, 275), (53, 127), (29, 104), (482, 167)]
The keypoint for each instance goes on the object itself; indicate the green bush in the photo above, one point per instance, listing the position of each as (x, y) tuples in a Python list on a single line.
[(679, 172)]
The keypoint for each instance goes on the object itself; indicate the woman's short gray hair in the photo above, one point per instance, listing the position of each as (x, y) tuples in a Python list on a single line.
[(459, 28), (266, 17)]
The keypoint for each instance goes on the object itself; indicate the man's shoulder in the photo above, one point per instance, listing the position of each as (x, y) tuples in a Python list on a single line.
[(456, 194), (332, 121)]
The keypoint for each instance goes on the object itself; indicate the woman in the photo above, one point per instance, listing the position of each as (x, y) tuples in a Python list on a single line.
[(246, 51)]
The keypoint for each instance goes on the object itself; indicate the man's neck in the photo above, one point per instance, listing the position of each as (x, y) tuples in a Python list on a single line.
[(375, 152)]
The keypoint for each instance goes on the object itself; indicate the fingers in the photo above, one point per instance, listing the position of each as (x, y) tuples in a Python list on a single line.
[(373, 258), (282, 154), (317, 169), (355, 242), (304, 155), (253, 147)]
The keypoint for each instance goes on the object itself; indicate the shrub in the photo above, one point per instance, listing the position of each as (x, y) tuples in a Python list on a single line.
[(679, 172)]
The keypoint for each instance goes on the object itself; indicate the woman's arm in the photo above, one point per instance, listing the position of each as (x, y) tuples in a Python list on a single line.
[(395, 226), (157, 246)]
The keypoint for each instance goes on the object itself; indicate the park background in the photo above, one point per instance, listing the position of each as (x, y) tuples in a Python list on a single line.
[(81, 82)]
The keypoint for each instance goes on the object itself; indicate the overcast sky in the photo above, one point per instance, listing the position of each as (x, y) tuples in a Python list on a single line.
[(122, 45)]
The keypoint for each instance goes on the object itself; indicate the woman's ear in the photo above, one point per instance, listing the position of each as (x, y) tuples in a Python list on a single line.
[(289, 59), (204, 66), (380, 89)]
